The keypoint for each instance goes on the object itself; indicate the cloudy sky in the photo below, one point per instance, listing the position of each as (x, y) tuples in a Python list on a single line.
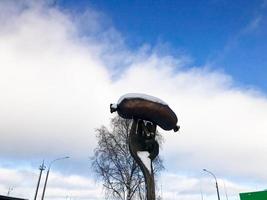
[(63, 62)]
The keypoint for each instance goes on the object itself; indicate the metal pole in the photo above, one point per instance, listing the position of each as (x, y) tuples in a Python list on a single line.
[(217, 191), (225, 190), (46, 178), (201, 193), (47, 174), (217, 188), (9, 190), (42, 167)]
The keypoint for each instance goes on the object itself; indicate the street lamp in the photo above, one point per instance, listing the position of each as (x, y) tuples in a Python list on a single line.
[(217, 188), (47, 173)]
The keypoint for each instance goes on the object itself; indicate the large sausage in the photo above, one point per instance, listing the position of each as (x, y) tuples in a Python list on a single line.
[(145, 107)]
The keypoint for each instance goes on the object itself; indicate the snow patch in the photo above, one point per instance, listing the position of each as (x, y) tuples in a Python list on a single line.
[(114, 106), (144, 156), (141, 96)]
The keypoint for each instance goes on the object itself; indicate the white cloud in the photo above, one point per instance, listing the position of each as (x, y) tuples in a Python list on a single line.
[(73, 186), (58, 186), (56, 85), (176, 186), (50, 85)]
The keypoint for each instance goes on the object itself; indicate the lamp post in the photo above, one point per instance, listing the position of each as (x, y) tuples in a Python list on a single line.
[(47, 173), (217, 188)]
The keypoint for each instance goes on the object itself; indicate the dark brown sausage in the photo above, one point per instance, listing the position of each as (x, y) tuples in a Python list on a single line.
[(138, 108)]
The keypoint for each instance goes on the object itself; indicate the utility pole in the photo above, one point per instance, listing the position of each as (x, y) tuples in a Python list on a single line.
[(41, 168)]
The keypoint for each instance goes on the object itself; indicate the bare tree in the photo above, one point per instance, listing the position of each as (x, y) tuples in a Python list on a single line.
[(112, 163)]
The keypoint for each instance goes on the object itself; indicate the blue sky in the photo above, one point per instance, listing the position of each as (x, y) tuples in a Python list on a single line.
[(63, 63), (226, 35)]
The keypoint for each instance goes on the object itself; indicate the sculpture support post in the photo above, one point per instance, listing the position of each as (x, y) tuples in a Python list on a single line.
[(150, 184), (137, 143)]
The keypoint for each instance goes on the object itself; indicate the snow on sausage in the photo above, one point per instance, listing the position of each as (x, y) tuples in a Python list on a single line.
[(145, 107)]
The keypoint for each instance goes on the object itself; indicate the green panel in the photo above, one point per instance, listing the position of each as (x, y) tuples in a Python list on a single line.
[(261, 195)]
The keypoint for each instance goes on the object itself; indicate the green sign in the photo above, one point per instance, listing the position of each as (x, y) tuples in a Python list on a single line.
[(261, 195)]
